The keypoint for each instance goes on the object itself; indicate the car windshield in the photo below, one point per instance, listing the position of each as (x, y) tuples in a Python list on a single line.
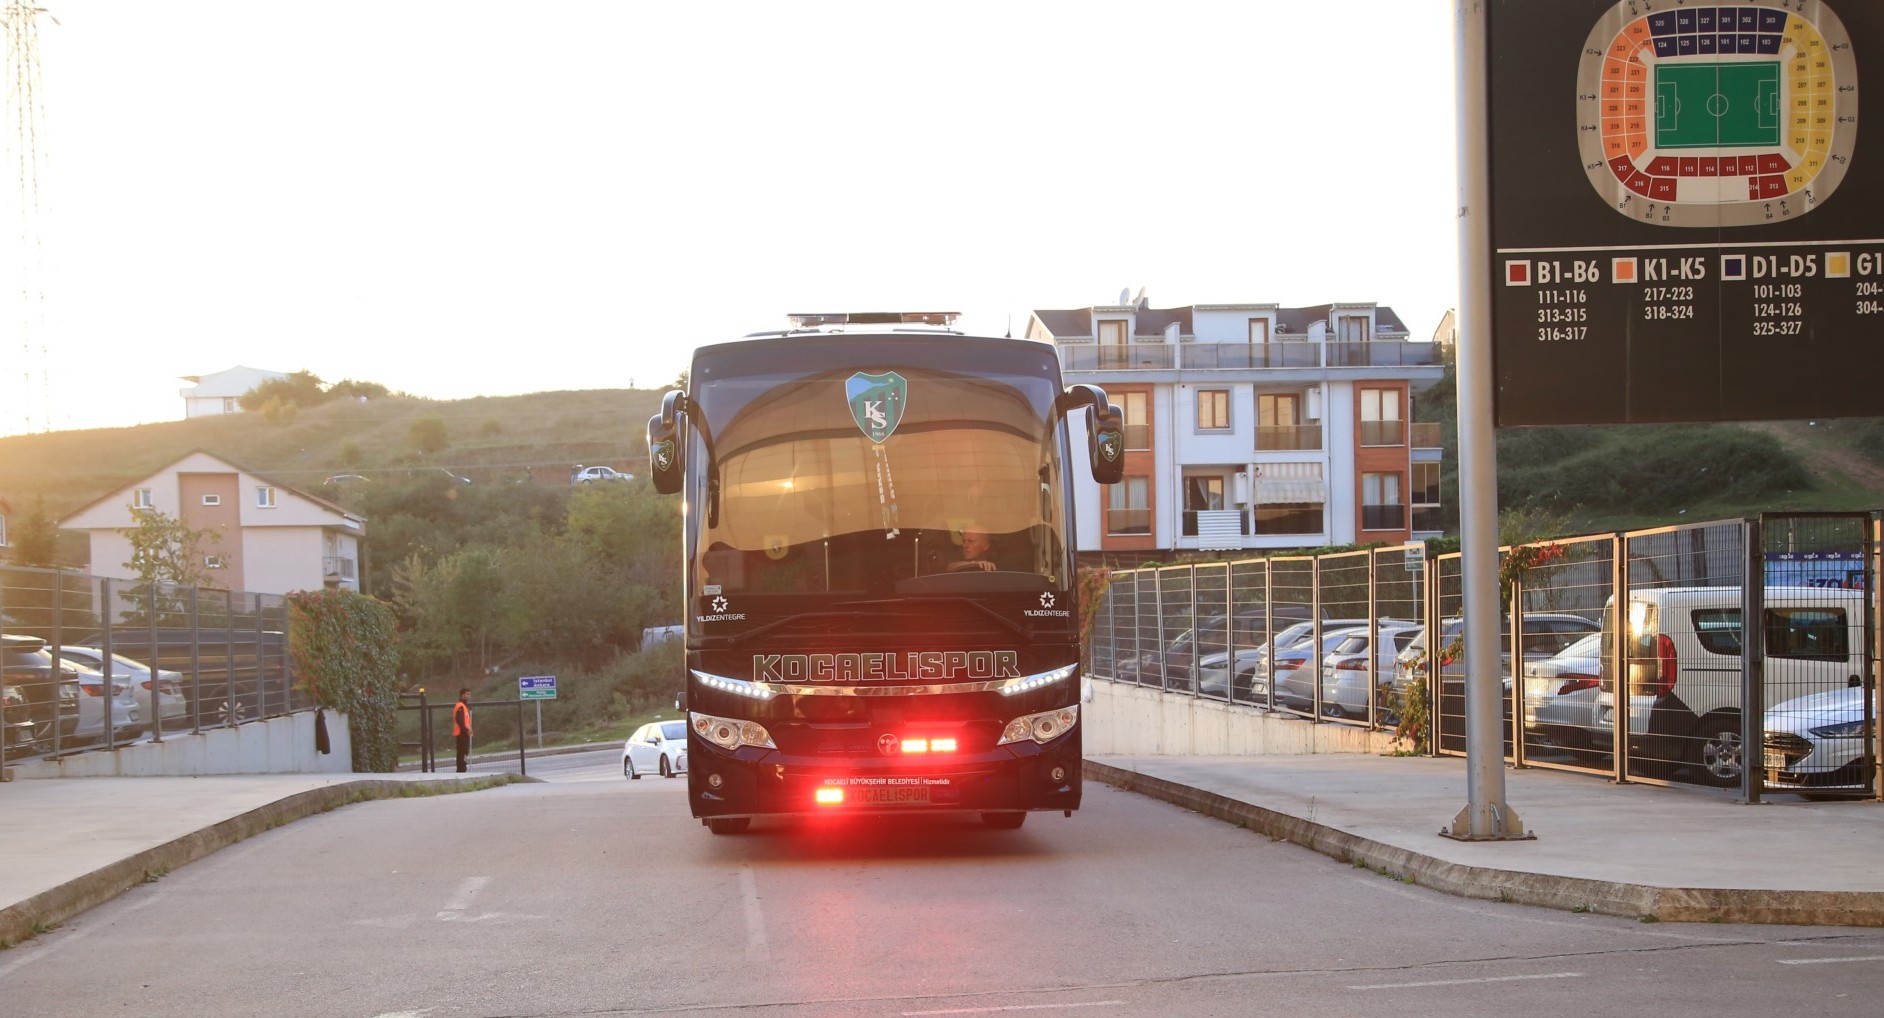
[(674, 730)]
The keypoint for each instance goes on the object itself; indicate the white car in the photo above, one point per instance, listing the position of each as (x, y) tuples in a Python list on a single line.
[(160, 700), (585, 475), (1561, 694), (1817, 743), (659, 747), (1350, 673)]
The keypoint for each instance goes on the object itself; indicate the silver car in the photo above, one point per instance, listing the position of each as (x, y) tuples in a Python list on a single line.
[(1354, 667), (658, 747), (159, 697), (1561, 693)]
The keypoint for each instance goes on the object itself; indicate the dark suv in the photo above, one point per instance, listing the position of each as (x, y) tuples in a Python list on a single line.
[(38, 694)]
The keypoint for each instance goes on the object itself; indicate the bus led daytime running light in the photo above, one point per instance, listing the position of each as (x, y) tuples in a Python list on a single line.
[(1029, 683), (738, 687)]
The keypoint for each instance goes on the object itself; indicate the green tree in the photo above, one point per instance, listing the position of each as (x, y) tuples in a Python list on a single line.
[(301, 389), (165, 552), (36, 540)]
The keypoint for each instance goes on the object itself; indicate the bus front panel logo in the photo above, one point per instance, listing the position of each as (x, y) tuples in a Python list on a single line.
[(876, 403)]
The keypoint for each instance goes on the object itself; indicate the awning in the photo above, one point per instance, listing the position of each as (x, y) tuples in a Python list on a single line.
[(1290, 490)]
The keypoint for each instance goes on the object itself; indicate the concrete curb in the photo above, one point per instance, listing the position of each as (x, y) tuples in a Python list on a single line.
[(21, 921), (1571, 894)]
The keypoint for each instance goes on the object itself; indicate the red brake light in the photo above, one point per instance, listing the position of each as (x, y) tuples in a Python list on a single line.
[(97, 689), (1664, 665), (1573, 682), (830, 795), (1351, 664)]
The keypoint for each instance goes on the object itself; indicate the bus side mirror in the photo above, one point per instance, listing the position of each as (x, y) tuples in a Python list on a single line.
[(664, 457), (1106, 439), (1105, 433)]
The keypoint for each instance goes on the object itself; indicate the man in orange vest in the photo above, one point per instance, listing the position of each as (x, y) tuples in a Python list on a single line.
[(461, 727)]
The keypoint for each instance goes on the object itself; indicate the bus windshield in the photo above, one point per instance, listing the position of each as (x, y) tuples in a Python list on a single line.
[(901, 480)]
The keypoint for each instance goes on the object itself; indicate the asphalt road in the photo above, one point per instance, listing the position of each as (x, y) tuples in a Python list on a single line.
[(591, 895)]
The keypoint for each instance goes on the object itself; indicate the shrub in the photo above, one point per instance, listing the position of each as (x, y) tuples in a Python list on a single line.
[(344, 654)]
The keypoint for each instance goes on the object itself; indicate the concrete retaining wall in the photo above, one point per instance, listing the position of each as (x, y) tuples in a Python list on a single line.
[(1134, 721), (283, 745)]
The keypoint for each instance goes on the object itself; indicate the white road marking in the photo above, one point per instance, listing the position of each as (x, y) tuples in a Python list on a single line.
[(461, 898), (1015, 1007), (756, 948), (1468, 982), (1827, 961)]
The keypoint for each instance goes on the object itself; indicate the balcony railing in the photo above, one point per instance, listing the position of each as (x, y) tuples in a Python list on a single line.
[(336, 568), (1383, 517), (1383, 433), (1288, 437), (1137, 437), (1428, 435), (1288, 520), (1427, 519), (1128, 521), (1191, 517), (1244, 356)]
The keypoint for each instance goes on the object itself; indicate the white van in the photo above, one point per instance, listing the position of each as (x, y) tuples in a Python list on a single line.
[(1684, 659)]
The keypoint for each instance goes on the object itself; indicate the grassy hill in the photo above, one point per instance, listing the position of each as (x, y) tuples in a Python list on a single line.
[(488, 439)]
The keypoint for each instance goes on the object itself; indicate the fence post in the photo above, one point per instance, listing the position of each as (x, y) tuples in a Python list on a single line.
[(1753, 661), (108, 694)]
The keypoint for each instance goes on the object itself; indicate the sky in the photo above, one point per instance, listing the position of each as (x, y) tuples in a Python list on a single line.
[(458, 198)]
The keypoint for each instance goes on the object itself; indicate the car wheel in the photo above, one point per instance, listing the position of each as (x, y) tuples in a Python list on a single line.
[(1004, 821), (628, 769), (1719, 751), (1333, 710), (666, 771), (728, 825)]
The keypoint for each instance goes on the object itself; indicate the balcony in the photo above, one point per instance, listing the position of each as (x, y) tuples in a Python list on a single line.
[(1137, 437), (1383, 517), (1288, 519), (1383, 433), (1427, 519), (1428, 435), (1129, 522), (1288, 437), (336, 568), (1245, 356), (1215, 523)]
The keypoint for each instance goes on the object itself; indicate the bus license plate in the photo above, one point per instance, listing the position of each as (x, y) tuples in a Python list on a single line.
[(893, 795)]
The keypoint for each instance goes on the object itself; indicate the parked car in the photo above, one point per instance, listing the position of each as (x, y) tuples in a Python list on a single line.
[(1545, 634), (66, 703), (587, 475), (1357, 668), (1683, 647), (159, 697), (659, 746), (1561, 693), (1248, 678), (1820, 743), (1174, 666)]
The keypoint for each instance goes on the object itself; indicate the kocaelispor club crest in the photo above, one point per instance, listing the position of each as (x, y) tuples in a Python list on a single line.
[(876, 403)]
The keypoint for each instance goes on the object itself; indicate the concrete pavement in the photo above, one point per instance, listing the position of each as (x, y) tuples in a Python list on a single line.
[(1673, 854)]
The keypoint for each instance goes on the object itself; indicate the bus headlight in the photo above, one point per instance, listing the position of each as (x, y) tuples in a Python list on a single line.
[(1042, 728), (731, 733)]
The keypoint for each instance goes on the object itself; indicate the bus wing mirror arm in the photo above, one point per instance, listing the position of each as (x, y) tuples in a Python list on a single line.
[(667, 461)]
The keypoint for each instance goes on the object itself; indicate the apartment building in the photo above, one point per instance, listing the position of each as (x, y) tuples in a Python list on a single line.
[(1255, 426)]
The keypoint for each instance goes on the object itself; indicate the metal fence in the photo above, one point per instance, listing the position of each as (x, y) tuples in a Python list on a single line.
[(1789, 705), (186, 659)]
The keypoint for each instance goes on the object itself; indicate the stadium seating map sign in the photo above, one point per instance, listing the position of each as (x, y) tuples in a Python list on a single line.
[(1687, 210)]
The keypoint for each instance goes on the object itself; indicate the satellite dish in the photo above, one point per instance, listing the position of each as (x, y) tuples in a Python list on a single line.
[(1125, 295), (1141, 297)]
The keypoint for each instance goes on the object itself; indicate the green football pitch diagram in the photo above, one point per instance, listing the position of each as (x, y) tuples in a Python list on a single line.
[(1732, 114)]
